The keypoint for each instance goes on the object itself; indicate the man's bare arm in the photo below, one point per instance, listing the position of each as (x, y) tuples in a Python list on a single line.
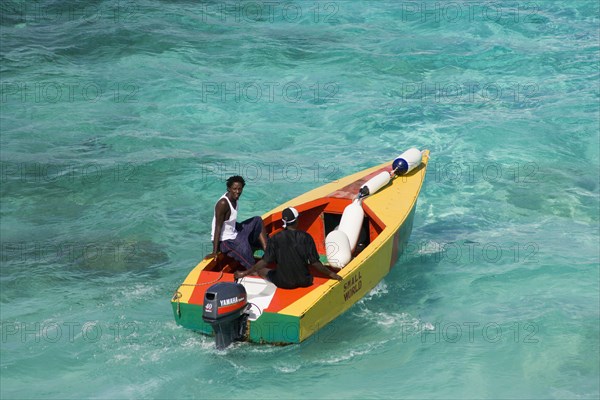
[(320, 267)]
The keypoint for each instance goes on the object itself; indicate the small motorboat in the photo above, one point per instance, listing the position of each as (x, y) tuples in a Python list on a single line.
[(360, 223)]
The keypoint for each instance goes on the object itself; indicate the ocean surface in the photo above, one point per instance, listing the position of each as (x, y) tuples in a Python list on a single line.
[(121, 120)]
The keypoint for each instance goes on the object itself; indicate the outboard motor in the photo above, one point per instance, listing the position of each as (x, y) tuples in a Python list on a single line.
[(225, 306)]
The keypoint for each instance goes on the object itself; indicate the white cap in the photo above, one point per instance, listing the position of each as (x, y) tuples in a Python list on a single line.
[(289, 216)]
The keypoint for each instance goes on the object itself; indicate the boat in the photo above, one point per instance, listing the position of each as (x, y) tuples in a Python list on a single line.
[(211, 302)]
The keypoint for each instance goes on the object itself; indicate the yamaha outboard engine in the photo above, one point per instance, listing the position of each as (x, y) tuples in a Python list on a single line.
[(225, 306)]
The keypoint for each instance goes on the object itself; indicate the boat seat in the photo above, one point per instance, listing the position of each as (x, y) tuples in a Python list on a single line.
[(260, 293)]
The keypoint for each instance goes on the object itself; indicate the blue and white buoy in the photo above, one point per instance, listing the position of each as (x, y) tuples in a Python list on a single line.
[(407, 161)]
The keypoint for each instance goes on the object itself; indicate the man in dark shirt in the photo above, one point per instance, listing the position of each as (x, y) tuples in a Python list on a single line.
[(293, 251)]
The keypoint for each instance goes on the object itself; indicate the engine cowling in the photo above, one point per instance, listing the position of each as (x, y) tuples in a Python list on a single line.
[(225, 306)]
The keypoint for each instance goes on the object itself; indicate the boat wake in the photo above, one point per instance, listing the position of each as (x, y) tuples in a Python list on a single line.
[(378, 291)]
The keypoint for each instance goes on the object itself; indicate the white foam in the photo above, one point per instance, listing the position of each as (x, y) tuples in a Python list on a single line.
[(287, 369)]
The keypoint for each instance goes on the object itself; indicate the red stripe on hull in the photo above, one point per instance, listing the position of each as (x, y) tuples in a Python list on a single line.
[(351, 191)]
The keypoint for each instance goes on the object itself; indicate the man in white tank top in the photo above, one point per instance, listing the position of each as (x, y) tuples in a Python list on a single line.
[(237, 240)]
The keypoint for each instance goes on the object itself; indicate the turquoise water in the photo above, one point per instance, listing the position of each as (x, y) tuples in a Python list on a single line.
[(121, 120)]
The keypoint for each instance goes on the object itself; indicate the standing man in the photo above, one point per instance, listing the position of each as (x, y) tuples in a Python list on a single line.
[(230, 237), (293, 251)]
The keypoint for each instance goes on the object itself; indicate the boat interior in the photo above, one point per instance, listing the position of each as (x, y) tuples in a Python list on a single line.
[(318, 218)]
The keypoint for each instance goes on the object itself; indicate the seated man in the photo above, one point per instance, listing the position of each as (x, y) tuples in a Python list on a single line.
[(293, 251), (230, 237)]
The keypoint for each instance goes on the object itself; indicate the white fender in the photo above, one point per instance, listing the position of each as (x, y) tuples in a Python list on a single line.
[(407, 161), (376, 183), (351, 223), (337, 247)]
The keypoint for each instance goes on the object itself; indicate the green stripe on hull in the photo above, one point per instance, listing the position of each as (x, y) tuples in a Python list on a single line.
[(190, 317), (275, 328), (269, 328)]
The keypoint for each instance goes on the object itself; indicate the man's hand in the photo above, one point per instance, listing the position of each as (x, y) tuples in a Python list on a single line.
[(335, 276), (239, 274), (211, 256), (323, 269)]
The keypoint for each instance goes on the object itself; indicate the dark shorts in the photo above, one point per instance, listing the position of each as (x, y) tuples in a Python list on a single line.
[(241, 248), (272, 277)]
